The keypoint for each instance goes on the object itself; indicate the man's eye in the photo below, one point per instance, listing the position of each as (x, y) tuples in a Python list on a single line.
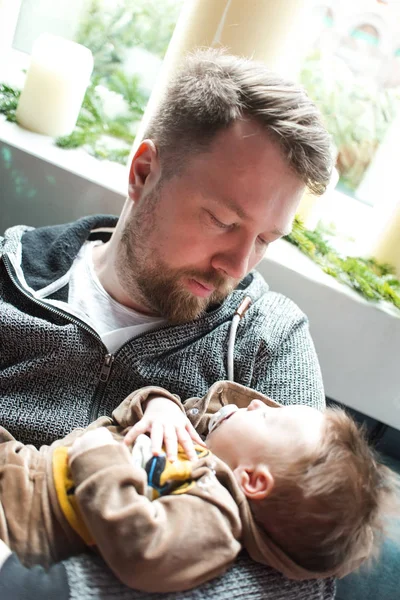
[(217, 222), (263, 243)]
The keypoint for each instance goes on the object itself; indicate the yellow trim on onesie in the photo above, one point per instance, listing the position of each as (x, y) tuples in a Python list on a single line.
[(64, 487)]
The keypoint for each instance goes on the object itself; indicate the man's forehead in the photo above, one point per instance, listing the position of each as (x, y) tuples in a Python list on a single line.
[(241, 134)]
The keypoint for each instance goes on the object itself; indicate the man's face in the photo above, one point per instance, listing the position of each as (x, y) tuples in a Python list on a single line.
[(188, 241)]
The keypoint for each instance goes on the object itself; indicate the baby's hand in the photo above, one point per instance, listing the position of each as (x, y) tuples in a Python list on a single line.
[(167, 426), (91, 439)]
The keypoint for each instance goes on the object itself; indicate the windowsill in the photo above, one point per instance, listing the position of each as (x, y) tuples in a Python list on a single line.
[(290, 257), (107, 174), (357, 341)]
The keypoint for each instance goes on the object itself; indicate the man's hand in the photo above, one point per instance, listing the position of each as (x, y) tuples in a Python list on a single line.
[(167, 426)]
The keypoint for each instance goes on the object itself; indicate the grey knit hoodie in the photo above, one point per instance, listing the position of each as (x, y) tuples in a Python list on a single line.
[(56, 374)]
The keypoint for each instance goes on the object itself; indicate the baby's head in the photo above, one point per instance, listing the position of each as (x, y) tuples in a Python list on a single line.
[(312, 481)]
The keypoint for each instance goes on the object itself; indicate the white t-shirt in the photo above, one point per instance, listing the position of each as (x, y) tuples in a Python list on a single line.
[(88, 300)]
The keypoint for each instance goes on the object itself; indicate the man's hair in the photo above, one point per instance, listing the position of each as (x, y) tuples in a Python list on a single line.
[(327, 508), (213, 89)]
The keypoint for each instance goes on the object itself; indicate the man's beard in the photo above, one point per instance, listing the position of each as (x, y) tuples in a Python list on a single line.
[(142, 273), (164, 290)]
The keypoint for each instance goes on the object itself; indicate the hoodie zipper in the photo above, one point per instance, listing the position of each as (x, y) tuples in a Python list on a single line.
[(98, 395), (108, 359)]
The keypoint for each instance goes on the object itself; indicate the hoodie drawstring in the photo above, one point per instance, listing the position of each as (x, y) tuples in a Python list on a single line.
[(239, 313)]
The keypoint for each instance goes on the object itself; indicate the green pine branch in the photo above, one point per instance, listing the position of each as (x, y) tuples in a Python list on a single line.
[(372, 280), (9, 101), (93, 125)]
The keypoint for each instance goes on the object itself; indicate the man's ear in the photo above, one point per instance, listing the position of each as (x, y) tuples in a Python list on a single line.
[(256, 482), (145, 167)]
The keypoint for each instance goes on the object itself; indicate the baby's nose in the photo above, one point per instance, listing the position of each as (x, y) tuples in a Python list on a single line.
[(255, 404)]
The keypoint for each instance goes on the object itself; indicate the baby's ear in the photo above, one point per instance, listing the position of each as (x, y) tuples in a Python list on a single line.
[(256, 482)]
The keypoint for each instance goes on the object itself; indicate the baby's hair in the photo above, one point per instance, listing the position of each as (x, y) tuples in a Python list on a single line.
[(327, 508)]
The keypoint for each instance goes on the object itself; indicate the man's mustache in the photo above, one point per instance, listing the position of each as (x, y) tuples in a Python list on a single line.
[(213, 279)]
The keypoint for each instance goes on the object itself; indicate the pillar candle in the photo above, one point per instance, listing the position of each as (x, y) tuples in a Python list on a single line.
[(386, 248), (55, 85), (271, 31)]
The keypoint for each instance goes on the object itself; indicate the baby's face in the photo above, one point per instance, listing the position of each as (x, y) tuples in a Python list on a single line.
[(259, 432)]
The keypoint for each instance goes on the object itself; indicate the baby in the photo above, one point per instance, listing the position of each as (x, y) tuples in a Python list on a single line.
[(298, 488)]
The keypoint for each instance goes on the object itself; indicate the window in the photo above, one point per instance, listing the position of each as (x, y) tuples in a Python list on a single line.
[(353, 74)]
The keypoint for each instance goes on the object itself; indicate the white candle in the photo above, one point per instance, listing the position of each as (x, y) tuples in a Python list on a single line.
[(9, 12), (55, 85), (386, 248)]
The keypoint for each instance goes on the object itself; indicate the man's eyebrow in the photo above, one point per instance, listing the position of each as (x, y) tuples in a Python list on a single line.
[(234, 207)]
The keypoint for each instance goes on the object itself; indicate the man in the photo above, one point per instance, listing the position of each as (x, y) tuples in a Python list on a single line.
[(89, 314)]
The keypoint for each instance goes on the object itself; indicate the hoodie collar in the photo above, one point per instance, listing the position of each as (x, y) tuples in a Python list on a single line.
[(48, 252)]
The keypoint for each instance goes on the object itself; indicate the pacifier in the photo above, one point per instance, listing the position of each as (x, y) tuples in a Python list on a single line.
[(223, 413)]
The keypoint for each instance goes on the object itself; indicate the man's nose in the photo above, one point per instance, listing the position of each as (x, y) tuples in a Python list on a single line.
[(235, 262)]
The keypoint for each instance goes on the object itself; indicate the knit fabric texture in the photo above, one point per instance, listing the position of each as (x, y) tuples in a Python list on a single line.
[(90, 579)]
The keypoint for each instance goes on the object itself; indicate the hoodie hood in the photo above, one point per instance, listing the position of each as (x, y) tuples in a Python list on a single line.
[(46, 254)]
